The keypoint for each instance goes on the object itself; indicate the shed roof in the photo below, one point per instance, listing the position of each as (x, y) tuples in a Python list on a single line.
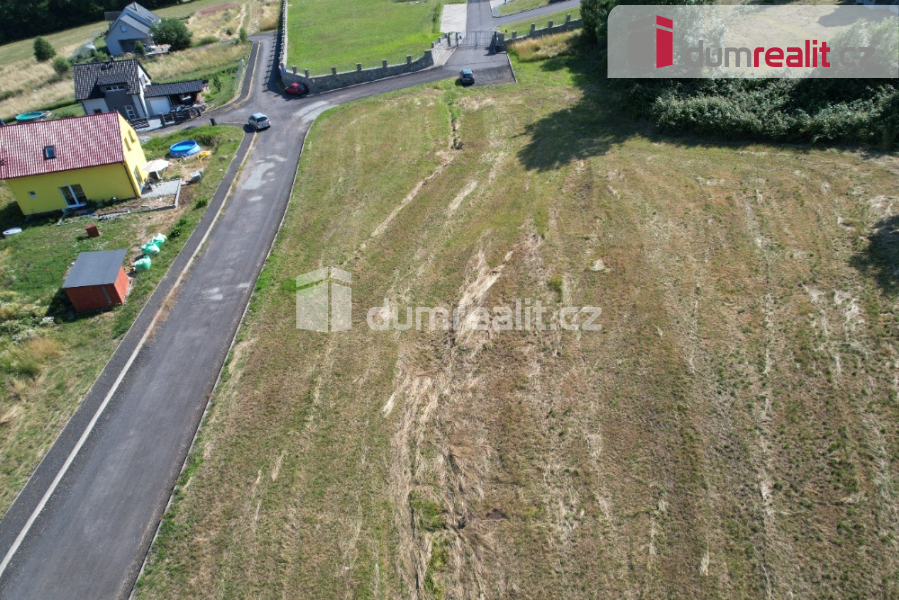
[(177, 87), (95, 268), (79, 142)]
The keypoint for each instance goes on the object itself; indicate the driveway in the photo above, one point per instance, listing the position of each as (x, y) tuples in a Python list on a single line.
[(83, 524)]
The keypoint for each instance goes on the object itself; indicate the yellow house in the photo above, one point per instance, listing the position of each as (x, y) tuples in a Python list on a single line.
[(60, 164)]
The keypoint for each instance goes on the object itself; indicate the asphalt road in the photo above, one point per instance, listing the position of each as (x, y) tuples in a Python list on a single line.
[(81, 527)]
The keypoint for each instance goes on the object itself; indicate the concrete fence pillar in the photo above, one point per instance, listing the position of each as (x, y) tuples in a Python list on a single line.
[(333, 70), (294, 69), (549, 25), (306, 72), (514, 34), (358, 67), (384, 64), (567, 19), (533, 28), (432, 45), (408, 60)]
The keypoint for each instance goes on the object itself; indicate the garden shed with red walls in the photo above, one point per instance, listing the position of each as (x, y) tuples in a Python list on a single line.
[(97, 280)]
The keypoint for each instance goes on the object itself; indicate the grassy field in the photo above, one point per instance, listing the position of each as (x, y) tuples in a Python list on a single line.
[(730, 433), (324, 34), (524, 26), (28, 85), (48, 366), (514, 6)]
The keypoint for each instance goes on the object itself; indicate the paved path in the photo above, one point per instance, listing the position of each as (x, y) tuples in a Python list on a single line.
[(82, 525), (536, 13)]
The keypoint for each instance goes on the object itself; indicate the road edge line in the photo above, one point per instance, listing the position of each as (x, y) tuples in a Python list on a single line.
[(14, 547)]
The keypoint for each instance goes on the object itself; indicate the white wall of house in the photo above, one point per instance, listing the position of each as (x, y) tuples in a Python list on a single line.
[(92, 106), (159, 106)]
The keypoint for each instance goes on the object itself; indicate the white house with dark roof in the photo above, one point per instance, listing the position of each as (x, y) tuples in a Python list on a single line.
[(131, 26), (125, 86)]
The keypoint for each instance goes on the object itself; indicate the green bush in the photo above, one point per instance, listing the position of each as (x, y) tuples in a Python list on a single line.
[(43, 50), (172, 32), (846, 111), (204, 41), (61, 65)]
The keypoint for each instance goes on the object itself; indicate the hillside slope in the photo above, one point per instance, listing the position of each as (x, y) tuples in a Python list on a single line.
[(729, 434)]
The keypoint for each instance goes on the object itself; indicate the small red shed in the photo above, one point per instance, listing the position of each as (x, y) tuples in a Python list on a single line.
[(97, 280)]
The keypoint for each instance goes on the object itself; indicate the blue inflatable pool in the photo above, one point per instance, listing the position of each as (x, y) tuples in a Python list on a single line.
[(185, 148)]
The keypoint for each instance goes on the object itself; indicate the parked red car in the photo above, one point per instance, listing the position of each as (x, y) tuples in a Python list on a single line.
[(296, 89)]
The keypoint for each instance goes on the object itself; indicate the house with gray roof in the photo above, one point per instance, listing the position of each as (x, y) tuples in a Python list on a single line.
[(125, 86), (132, 25)]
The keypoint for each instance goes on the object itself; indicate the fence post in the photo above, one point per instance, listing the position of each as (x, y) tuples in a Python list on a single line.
[(408, 60), (307, 73), (384, 64), (358, 67), (514, 34), (549, 25), (294, 69), (333, 70), (533, 28)]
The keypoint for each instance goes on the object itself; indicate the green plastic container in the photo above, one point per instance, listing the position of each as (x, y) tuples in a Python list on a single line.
[(158, 239), (150, 249), (143, 264)]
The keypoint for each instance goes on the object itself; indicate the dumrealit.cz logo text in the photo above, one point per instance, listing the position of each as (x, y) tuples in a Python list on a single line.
[(754, 41)]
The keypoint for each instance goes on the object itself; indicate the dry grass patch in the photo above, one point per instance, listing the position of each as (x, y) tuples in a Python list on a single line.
[(730, 432)]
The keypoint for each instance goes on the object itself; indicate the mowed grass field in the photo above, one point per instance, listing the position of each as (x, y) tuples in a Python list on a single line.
[(515, 6), (323, 34), (48, 366), (523, 26), (730, 433)]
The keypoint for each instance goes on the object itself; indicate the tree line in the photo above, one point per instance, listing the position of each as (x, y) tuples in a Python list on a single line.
[(21, 19)]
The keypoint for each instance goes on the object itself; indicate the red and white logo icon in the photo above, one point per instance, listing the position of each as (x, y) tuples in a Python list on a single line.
[(650, 42)]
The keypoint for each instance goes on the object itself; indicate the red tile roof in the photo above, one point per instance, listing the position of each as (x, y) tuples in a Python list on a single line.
[(80, 142)]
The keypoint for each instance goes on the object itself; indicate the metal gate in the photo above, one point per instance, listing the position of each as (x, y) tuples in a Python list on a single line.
[(477, 39)]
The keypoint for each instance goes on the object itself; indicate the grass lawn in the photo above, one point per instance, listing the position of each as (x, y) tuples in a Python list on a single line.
[(515, 6), (27, 85), (324, 34), (729, 434), (47, 367), (524, 26)]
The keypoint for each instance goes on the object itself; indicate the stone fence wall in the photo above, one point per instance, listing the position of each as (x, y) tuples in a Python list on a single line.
[(552, 28), (335, 80)]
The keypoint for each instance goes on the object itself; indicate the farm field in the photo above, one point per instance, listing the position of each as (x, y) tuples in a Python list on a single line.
[(47, 367), (323, 34), (730, 433)]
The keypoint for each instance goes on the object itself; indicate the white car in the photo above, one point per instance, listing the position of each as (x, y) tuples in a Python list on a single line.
[(259, 121)]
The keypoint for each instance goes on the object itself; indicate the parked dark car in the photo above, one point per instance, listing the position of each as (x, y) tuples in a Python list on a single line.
[(466, 77), (297, 88)]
